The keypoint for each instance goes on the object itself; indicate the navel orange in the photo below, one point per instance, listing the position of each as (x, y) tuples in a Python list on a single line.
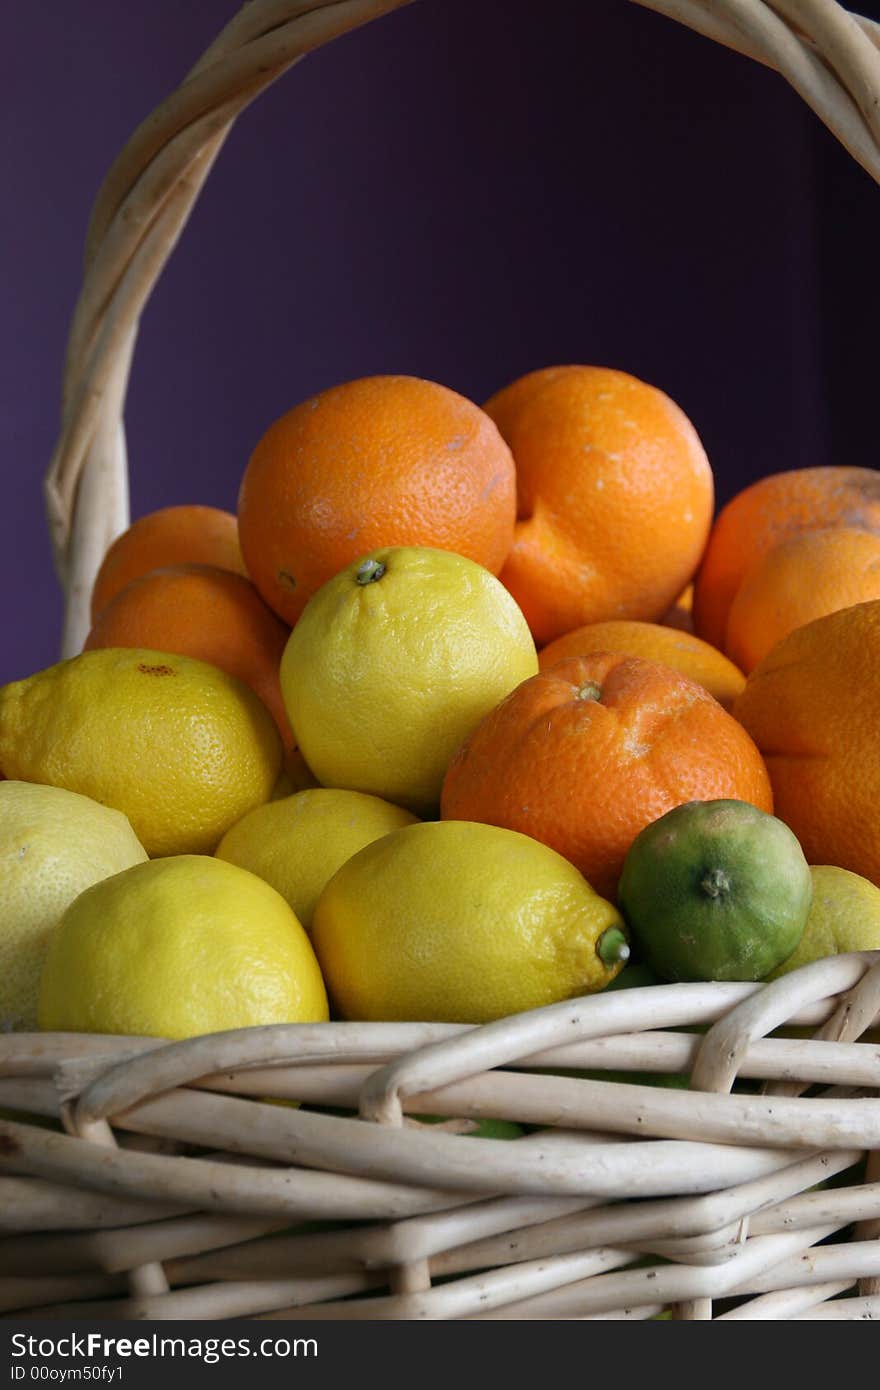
[(811, 706), (769, 511), (614, 497), (382, 461)]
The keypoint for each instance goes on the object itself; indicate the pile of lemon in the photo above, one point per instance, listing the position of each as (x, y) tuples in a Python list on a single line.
[(162, 875)]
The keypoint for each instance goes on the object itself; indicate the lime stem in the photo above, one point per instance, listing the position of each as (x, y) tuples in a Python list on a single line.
[(369, 571), (612, 948), (714, 883)]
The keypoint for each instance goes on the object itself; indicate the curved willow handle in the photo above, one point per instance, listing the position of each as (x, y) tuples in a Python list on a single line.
[(832, 58)]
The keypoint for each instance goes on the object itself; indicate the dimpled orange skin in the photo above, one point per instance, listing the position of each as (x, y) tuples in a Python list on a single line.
[(186, 535), (811, 705), (614, 497), (673, 647), (381, 461), (769, 511), (586, 754), (208, 613)]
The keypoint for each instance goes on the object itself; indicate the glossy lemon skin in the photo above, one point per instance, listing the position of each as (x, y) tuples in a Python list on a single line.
[(178, 746), (53, 845), (297, 843), (455, 921), (384, 677), (179, 947)]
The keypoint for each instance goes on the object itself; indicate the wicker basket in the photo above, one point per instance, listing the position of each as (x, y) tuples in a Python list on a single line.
[(177, 1191)]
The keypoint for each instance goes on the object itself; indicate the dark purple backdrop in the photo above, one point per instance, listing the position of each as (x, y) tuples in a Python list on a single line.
[(464, 191)]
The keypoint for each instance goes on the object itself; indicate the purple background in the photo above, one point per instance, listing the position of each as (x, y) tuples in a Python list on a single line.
[(464, 191)]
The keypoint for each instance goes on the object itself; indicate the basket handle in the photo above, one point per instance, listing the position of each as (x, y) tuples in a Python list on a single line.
[(831, 57)]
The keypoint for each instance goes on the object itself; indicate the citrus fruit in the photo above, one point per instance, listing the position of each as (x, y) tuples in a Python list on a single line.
[(171, 536), (681, 614), (299, 842), (680, 650), (179, 947), (844, 916), (767, 512), (614, 497), (178, 746), (392, 664), (381, 461), (53, 844), (461, 923), (805, 577), (205, 612), (589, 752), (811, 705), (715, 890)]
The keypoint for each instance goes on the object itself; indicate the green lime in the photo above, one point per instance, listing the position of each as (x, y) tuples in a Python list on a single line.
[(715, 890)]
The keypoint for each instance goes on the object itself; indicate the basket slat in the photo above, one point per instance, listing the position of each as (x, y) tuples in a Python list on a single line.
[(533, 1227)]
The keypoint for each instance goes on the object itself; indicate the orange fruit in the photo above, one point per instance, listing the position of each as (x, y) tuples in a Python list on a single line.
[(805, 577), (586, 754), (769, 511), (208, 613), (188, 535), (812, 705), (614, 497), (680, 650), (382, 461)]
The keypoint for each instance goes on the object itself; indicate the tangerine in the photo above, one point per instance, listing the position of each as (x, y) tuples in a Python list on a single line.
[(586, 754)]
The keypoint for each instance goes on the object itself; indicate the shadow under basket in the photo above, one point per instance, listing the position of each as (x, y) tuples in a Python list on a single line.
[(146, 1179)]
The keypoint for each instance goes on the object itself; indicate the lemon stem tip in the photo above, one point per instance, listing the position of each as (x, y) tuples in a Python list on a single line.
[(612, 947), (369, 571)]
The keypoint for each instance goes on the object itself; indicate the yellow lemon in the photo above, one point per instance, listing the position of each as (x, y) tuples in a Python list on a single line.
[(53, 845), (393, 663), (844, 916), (461, 923), (298, 843), (179, 947), (177, 745)]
